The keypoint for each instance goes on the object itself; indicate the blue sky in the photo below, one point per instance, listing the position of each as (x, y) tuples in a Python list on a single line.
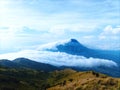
[(28, 23)]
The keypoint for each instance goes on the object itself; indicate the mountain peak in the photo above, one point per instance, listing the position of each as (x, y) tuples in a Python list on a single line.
[(74, 40), (21, 59), (64, 46), (72, 46)]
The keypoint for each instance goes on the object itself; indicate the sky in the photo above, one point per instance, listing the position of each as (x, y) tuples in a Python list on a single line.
[(24, 24)]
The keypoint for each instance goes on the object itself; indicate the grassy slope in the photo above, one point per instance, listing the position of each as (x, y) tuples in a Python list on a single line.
[(87, 80), (28, 79)]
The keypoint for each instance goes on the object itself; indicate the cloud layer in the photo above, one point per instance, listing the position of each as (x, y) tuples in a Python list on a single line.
[(59, 59)]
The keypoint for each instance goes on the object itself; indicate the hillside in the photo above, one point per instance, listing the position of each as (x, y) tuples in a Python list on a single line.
[(85, 80), (29, 79)]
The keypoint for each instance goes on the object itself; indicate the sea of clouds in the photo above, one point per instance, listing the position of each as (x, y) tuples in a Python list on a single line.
[(59, 58)]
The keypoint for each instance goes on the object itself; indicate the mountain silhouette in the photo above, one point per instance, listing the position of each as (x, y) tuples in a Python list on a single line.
[(24, 63), (27, 63), (34, 65), (74, 47)]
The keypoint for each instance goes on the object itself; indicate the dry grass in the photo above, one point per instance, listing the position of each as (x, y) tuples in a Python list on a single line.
[(87, 81)]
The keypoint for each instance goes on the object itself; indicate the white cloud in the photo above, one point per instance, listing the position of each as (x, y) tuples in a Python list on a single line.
[(110, 33), (107, 38), (59, 59), (109, 30)]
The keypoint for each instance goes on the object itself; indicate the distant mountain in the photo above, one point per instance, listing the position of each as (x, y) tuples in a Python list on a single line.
[(8, 63), (27, 63), (73, 47), (34, 65)]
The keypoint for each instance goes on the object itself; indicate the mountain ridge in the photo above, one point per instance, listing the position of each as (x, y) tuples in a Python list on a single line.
[(27, 63), (30, 64)]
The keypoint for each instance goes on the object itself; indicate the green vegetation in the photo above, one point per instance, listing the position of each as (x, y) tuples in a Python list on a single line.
[(22, 79), (30, 79)]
